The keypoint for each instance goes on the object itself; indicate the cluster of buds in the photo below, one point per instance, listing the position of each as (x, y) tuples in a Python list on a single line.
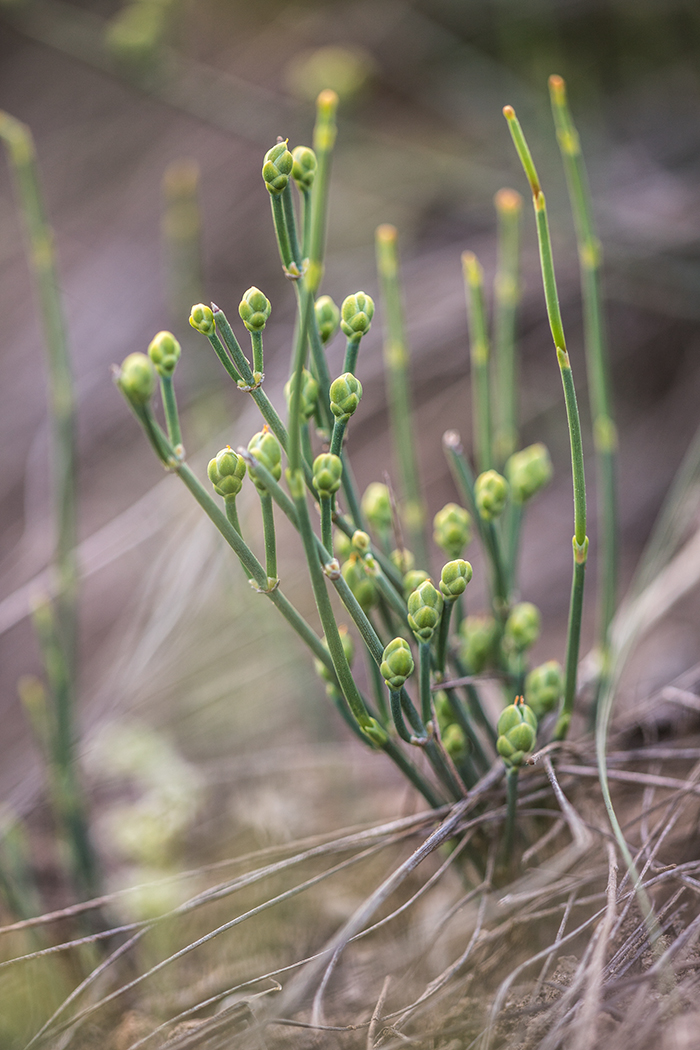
[(303, 167), (522, 628), (137, 378), (528, 471), (362, 586), (327, 474), (164, 351), (254, 309), (517, 733), (397, 664), (452, 529), (490, 494), (356, 314), (327, 317), (277, 168), (454, 578), (265, 447), (226, 472), (202, 319), (424, 610), (544, 687), (345, 394), (309, 394), (376, 507)]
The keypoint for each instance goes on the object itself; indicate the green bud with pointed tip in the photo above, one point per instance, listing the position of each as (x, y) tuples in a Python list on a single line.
[(345, 392), (377, 734), (327, 317), (522, 627), (403, 559), (452, 529), (397, 663), (327, 472), (490, 494), (361, 541), (137, 378), (226, 472), (361, 585), (164, 351), (424, 610), (413, 580), (454, 741), (544, 687), (528, 471), (376, 506), (342, 545), (266, 449), (356, 314), (202, 318), (277, 168), (517, 733), (309, 394), (254, 309), (479, 635), (454, 578), (304, 167)]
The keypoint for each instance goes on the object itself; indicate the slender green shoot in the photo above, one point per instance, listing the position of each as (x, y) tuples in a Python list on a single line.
[(597, 364), (396, 369), (172, 416), (270, 540), (426, 703), (580, 540), (506, 298), (511, 811), (479, 356), (325, 131)]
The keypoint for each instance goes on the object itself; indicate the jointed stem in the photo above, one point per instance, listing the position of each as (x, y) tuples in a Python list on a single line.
[(506, 298), (512, 802), (270, 541), (479, 353), (172, 418)]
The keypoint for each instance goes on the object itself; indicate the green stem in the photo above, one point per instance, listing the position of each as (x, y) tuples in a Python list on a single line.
[(506, 298), (270, 541), (512, 797), (443, 635), (351, 350), (306, 449), (396, 370), (327, 523), (513, 524), (323, 141), (479, 355), (281, 231), (223, 355), (256, 342), (339, 426), (379, 687), (597, 364), (574, 423), (232, 514), (172, 418), (424, 667), (305, 306), (306, 221), (291, 225), (397, 715)]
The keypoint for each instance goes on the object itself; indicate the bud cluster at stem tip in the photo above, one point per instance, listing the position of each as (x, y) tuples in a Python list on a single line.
[(517, 733), (397, 663), (164, 351), (226, 472), (137, 378), (265, 447), (277, 167), (327, 317), (304, 167), (452, 529), (345, 394), (522, 628), (544, 687), (309, 394), (424, 610), (356, 314), (376, 506), (454, 578), (528, 471), (254, 309), (202, 318), (490, 494), (327, 474)]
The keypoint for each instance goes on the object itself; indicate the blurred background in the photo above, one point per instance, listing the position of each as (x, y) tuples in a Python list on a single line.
[(151, 120)]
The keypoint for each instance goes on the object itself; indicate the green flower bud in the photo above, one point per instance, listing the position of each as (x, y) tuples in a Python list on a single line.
[(202, 318), (349, 650), (277, 168), (164, 351), (356, 314), (544, 687), (346, 392), (454, 741), (361, 585), (304, 167), (327, 317), (342, 545), (360, 541), (452, 529), (226, 472), (412, 580), (266, 449), (528, 471), (377, 734), (403, 559), (376, 506), (490, 494), (517, 733), (137, 378), (479, 634), (424, 610), (522, 627), (397, 663), (443, 708), (309, 394), (454, 578), (327, 471), (254, 309)]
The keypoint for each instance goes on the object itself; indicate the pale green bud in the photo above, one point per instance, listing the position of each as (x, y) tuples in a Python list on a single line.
[(397, 663), (479, 634), (356, 314), (403, 559), (424, 610), (342, 545), (376, 506), (377, 734), (361, 541), (454, 741), (202, 318), (528, 471), (327, 472), (345, 392), (137, 378), (522, 627), (517, 733), (490, 494), (304, 167), (327, 317), (413, 580), (254, 309), (277, 168), (452, 529), (544, 687), (361, 585), (226, 472), (454, 578), (164, 351), (309, 394), (266, 449)]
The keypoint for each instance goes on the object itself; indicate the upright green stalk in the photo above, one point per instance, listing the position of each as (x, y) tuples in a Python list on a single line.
[(479, 355), (604, 430), (325, 131), (21, 154), (506, 297), (580, 540), (396, 361)]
